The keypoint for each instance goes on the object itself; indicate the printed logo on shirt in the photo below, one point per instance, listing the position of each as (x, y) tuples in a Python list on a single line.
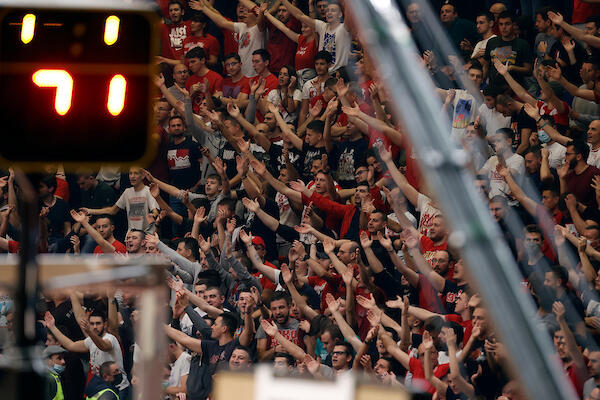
[(137, 208), (179, 158), (329, 45), (504, 54), (176, 36)]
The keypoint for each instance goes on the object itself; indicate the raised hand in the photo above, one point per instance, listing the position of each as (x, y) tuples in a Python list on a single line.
[(286, 274), (204, 243), (297, 185), (316, 109), (563, 170), (559, 310), (84, 323), (245, 238), (332, 303), (258, 167), (366, 302), (219, 166), (411, 238), (348, 276), (175, 283), (251, 205), (427, 341), (568, 43), (272, 108), (385, 241), (43, 212), (555, 17), (269, 327), (397, 303), (200, 215), (341, 88), (365, 241), (292, 83), (532, 111), (233, 110), (554, 73), (501, 68), (230, 226), (385, 154), (450, 337), (328, 246), (49, 319), (374, 316), (79, 216), (304, 228), (353, 111)]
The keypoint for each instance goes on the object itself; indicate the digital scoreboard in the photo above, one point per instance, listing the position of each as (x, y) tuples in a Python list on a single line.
[(76, 86)]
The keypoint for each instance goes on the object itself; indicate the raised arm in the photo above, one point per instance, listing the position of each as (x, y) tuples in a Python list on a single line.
[(517, 192), (577, 33), (514, 85), (75, 347), (271, 329), (349, 334), (105, 246), (261, 170), (436, 382), (293, 36), (298, 14), (211, 13), (412, 241), (186, 341)]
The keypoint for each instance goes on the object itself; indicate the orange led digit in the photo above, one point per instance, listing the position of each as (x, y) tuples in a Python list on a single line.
[(111, 30), (27, 28), (62, 81), (116, 95)]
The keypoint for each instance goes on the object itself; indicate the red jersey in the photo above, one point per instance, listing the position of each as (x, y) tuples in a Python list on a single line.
[(467, 325), (559, 118), (119, 248), (215, 83), (280, 47), (172, 38), (232, 89), (230, 44), (416, 368), (305, 53), (208, 42)]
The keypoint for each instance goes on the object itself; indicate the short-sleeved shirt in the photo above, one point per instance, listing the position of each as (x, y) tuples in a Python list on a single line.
[(180, 368), (427, 213), (208, 42), (518, 123), (57, 216), (580, 185), (345, 158), (291, 331), (203, 367), (514, 52), (215, 84), (305, 53), (137, 206), (173, 36), (231, 89), (98, 357), (184, 164), (119, 248), (248, 40), (337, 42), (276, 98), (310, 154)]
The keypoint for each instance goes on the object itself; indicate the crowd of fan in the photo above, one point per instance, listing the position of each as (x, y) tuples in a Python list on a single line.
[(298, 226)]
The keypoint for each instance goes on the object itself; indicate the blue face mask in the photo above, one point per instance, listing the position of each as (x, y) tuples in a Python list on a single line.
[(543, 136), (59, 369)]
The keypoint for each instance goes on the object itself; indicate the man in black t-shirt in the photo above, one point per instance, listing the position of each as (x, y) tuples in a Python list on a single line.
[(507, 48), (183, 156), (208, 354), (521, 123)]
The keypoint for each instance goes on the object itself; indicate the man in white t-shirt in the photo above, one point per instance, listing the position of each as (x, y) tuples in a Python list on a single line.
[(489, 118), (180, 369), (502, 142), (136, 200), (485, 26), (250, 35), (101, 345), (333, 35)]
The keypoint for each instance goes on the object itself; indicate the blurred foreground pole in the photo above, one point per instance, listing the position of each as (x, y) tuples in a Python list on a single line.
[(487, 256)]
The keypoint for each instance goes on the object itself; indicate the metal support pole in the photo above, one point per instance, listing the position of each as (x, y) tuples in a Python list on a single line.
[(488, 258)]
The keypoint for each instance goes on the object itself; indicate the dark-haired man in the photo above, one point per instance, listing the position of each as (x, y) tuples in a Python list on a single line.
[(210, 354), (59, 223), (202, 82), (101, 345), (287, 327), (174, 34), (576, 175), (508, 49)]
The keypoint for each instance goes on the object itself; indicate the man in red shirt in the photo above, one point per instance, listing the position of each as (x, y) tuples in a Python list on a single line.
[(261, 60), (236, 87), (199, 38), (209, 81), (174, 34), (102, 234), (282, 49)]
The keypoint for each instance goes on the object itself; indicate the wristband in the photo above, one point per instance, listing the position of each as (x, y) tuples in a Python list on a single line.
[(538, 120), (543, 125)]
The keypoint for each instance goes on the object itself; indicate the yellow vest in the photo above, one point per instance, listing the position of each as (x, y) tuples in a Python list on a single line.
[(59, 392), (97, 395)]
